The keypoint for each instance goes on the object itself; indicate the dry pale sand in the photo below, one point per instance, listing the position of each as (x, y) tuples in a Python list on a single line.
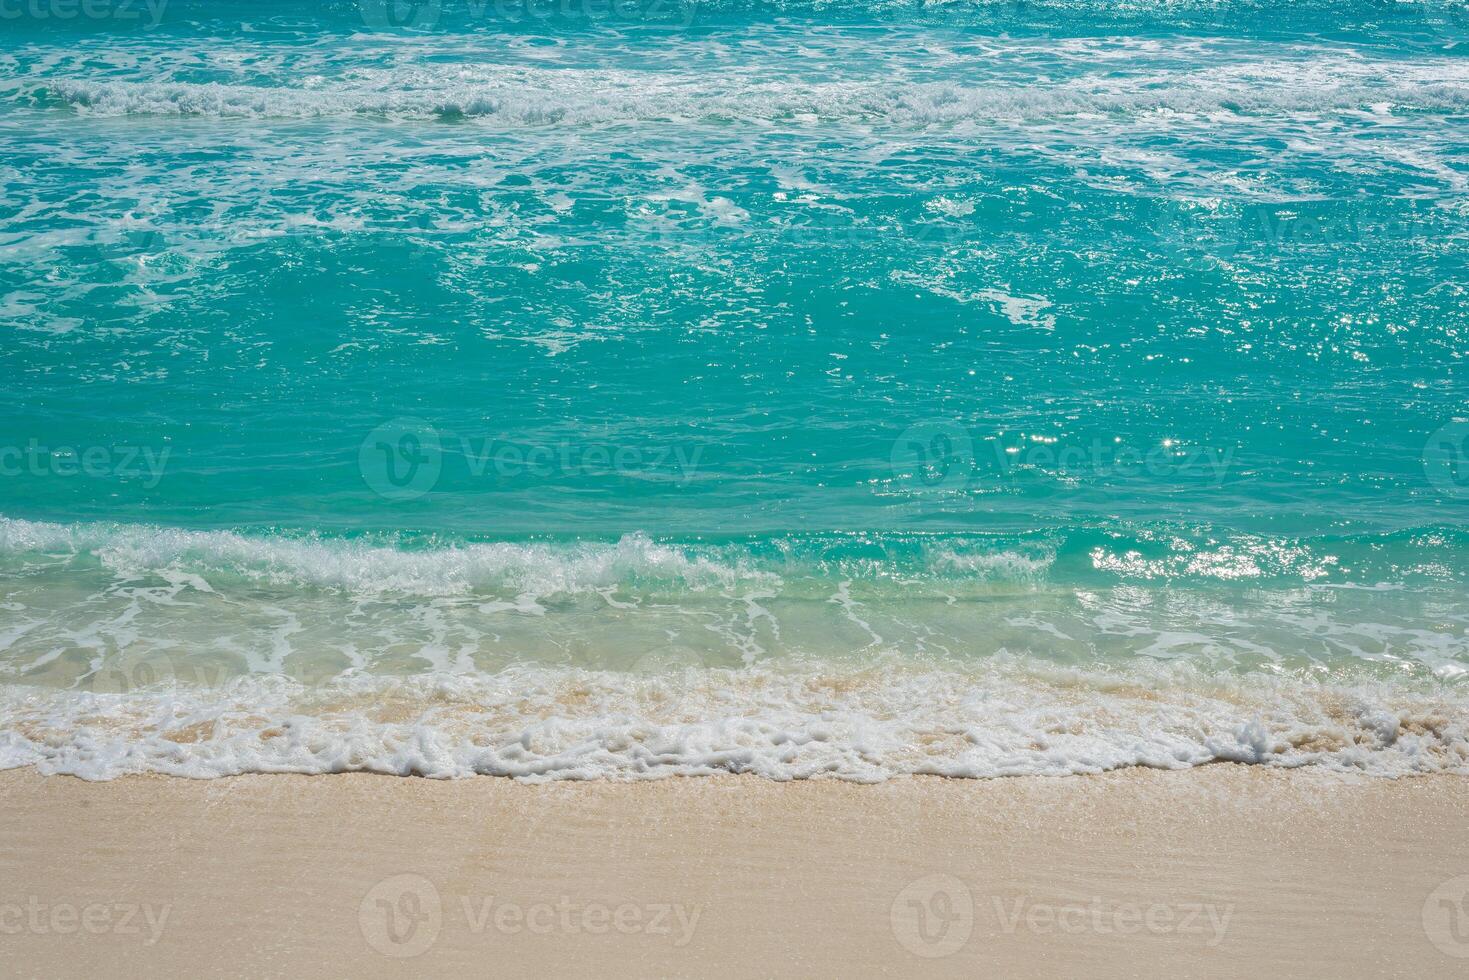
[(1222, 871)]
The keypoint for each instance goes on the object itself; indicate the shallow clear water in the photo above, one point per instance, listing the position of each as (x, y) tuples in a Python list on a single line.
[(609, 390)]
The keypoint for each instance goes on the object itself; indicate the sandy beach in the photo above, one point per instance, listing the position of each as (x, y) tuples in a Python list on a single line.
[(1219, 871)]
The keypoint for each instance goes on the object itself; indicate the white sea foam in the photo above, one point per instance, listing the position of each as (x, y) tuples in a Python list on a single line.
[(986, 564), (866, 725), (540, 568), (518, 95), (366, 567)]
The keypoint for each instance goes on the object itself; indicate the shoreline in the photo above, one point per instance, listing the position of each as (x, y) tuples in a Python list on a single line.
[(1219, 869)]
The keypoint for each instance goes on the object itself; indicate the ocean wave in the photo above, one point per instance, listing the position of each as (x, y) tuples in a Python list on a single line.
[(360, 566), (90, 601), (525, 96), (544, 724), (435, 566)]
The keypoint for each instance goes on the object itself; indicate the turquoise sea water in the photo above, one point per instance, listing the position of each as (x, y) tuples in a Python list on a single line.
[(591, 388)]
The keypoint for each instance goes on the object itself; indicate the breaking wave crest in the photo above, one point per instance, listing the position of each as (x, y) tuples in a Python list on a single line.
[(434, 566), (526, 96)]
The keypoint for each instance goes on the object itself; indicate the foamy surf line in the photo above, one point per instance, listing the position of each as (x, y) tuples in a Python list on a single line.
[(868, 725), (518, 96), (443, 566)]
